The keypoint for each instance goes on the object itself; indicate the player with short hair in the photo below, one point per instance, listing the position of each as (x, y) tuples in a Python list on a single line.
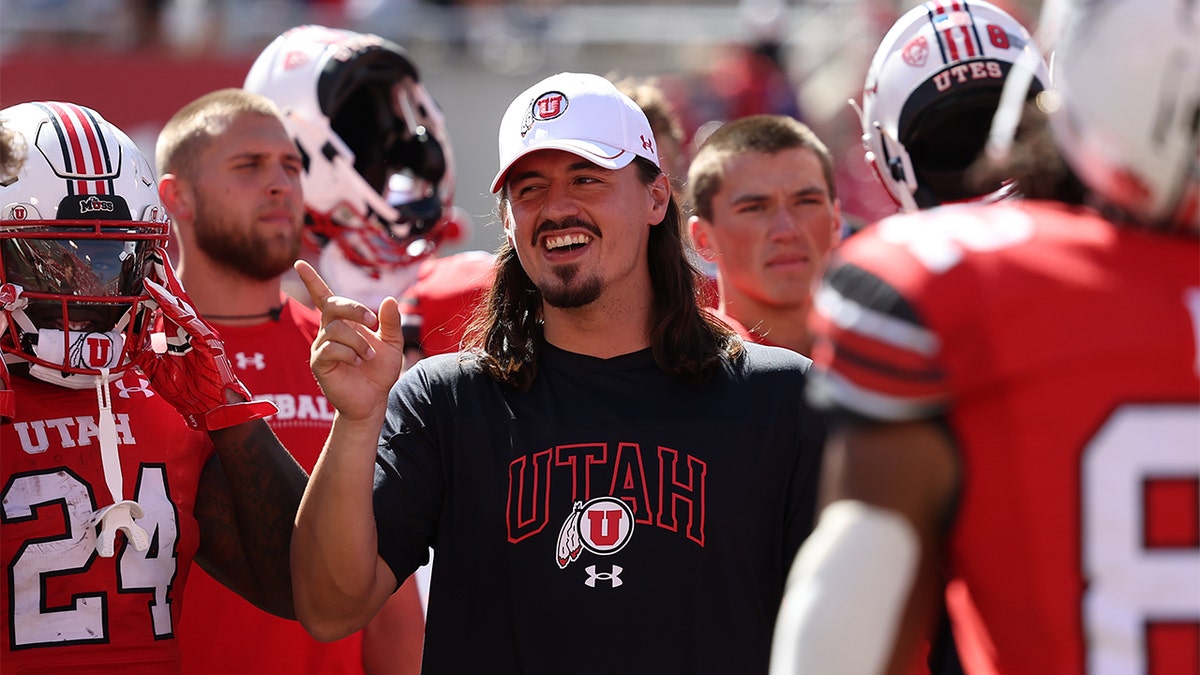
[(230, 178), (1019, 391), (131, 449), (767, 215)]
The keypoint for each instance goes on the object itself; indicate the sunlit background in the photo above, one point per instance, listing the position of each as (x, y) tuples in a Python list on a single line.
[(137, 61)]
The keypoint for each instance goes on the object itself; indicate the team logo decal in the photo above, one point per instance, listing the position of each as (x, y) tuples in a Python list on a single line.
[(18, 212), (294, 59), (546, 107), (916, 52), (94, 350), (603, 526), (968, 72), (94, 203)]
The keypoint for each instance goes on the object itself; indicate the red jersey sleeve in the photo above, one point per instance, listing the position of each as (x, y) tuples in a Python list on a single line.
[(1062, 352)]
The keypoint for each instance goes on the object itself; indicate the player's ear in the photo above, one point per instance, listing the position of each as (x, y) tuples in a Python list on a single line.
[(660, 198), (698, 229), (176, 197)]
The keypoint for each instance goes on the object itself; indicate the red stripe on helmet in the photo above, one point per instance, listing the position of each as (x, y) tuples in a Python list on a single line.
[(78, 160), (948, 38), (93, 141), (969, 40)]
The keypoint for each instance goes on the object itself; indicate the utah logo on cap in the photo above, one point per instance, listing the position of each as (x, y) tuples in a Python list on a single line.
[(545, 107)]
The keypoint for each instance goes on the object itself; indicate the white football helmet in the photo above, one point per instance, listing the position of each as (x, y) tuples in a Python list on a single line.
[(1127, 83), (378, 172), (79, 227), (931, 91)]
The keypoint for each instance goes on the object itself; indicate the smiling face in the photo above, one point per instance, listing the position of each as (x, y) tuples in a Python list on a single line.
[(581, 231), (773, 224), (248, 208)]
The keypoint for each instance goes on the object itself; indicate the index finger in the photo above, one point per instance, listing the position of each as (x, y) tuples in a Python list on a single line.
[(332, 306), (318, 290)]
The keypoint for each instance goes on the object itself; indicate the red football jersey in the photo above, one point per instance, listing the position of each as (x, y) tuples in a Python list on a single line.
[(66, 609), (1063, 352), (446, 292), (220, 630)]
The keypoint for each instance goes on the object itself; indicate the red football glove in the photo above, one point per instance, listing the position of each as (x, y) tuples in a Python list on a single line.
[(193, 374)]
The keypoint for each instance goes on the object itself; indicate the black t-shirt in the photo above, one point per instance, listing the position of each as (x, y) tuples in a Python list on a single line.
[(609, 520)]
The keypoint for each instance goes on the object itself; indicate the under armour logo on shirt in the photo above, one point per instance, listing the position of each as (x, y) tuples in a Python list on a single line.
[(245, 362), (613, 577)]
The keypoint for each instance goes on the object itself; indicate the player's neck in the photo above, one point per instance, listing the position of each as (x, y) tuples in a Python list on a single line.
[(782, 326), (222, 296)]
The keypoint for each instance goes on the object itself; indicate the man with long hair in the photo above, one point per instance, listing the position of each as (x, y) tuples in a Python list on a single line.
[(612, 480)]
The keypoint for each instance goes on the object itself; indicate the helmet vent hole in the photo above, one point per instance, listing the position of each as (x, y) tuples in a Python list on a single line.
[(328, 151)]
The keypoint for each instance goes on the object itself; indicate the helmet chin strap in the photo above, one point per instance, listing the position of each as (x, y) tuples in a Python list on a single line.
[(121, 514), (899, 168)]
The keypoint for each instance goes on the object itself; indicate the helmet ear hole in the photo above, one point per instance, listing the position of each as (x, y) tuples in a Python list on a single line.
[(365, 123)]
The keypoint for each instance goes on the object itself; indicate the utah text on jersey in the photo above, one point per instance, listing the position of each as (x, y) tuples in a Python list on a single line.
[(35, 436)]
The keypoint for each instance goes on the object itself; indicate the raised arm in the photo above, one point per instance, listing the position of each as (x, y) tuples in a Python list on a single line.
[(339, 580)]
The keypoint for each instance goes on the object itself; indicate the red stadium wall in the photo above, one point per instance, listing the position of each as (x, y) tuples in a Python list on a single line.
[(137, 91)]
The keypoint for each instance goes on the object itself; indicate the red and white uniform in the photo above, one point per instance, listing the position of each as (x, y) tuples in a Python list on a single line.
[(1062, 352), (221, 631), (445, 294), (66, 609)]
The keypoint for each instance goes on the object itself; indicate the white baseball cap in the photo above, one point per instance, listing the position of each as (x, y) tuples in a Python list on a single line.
[(580, 113)]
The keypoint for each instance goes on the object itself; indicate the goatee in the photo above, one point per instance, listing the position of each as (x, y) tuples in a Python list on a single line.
[(570, 296)]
